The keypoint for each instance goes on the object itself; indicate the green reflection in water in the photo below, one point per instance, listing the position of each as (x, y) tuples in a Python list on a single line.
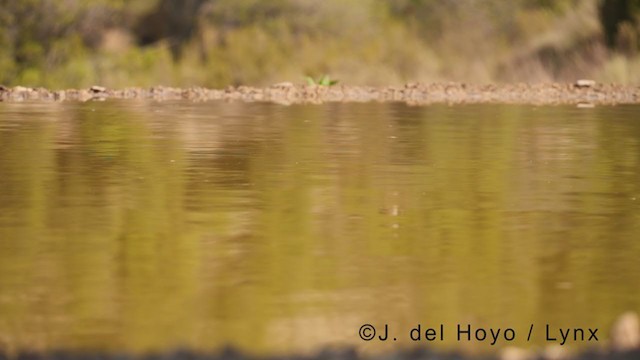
[(144, 226)]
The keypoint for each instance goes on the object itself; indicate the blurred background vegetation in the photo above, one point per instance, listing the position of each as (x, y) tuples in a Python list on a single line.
[(215, 43)]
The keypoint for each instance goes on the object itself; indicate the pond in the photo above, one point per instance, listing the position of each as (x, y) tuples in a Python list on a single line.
[(133, 225)]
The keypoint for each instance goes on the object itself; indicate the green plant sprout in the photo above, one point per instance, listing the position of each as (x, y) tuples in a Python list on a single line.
[(323, 81)]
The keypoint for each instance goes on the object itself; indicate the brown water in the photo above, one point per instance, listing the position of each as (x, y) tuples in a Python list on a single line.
[(144, 226)]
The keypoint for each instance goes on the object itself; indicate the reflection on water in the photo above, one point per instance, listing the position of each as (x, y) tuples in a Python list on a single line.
[(131, 225)]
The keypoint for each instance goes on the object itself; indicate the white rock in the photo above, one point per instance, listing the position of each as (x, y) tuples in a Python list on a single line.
[(555, 352), (515, 353), (285, 84), (584, 83), (97, 89), (625, 334)]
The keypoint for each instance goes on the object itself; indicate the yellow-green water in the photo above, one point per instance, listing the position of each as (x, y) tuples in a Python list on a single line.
[(145, 226)]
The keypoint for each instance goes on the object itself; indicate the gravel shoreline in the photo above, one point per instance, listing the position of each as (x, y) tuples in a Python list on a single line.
[(583, 92)]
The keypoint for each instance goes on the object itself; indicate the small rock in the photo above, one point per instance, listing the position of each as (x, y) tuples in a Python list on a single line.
[(584, 83), (85, 95), (515, 353), (285, 84), (625, 333), (21, 89), (97, 89), (555, 352), (59, 95)]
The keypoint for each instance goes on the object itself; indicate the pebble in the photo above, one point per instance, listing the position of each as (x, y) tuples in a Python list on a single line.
[(585, 83), (516, 353), (21, 89), (97, 89), (625, 333), (555, 352)]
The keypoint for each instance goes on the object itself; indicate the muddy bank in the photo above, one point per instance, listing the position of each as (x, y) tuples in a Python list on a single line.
[(584, 92)]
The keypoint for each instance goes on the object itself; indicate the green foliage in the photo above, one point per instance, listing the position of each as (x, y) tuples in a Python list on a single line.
[(322, 81), (231, 42), (39, 37)]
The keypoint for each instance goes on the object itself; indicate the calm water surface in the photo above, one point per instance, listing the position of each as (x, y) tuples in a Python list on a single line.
[(145, 226)]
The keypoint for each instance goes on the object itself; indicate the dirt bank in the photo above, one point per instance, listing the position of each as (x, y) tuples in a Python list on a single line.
[(582, 93)]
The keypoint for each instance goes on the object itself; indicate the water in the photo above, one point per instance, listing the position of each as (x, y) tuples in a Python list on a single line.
[(145, 226)]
